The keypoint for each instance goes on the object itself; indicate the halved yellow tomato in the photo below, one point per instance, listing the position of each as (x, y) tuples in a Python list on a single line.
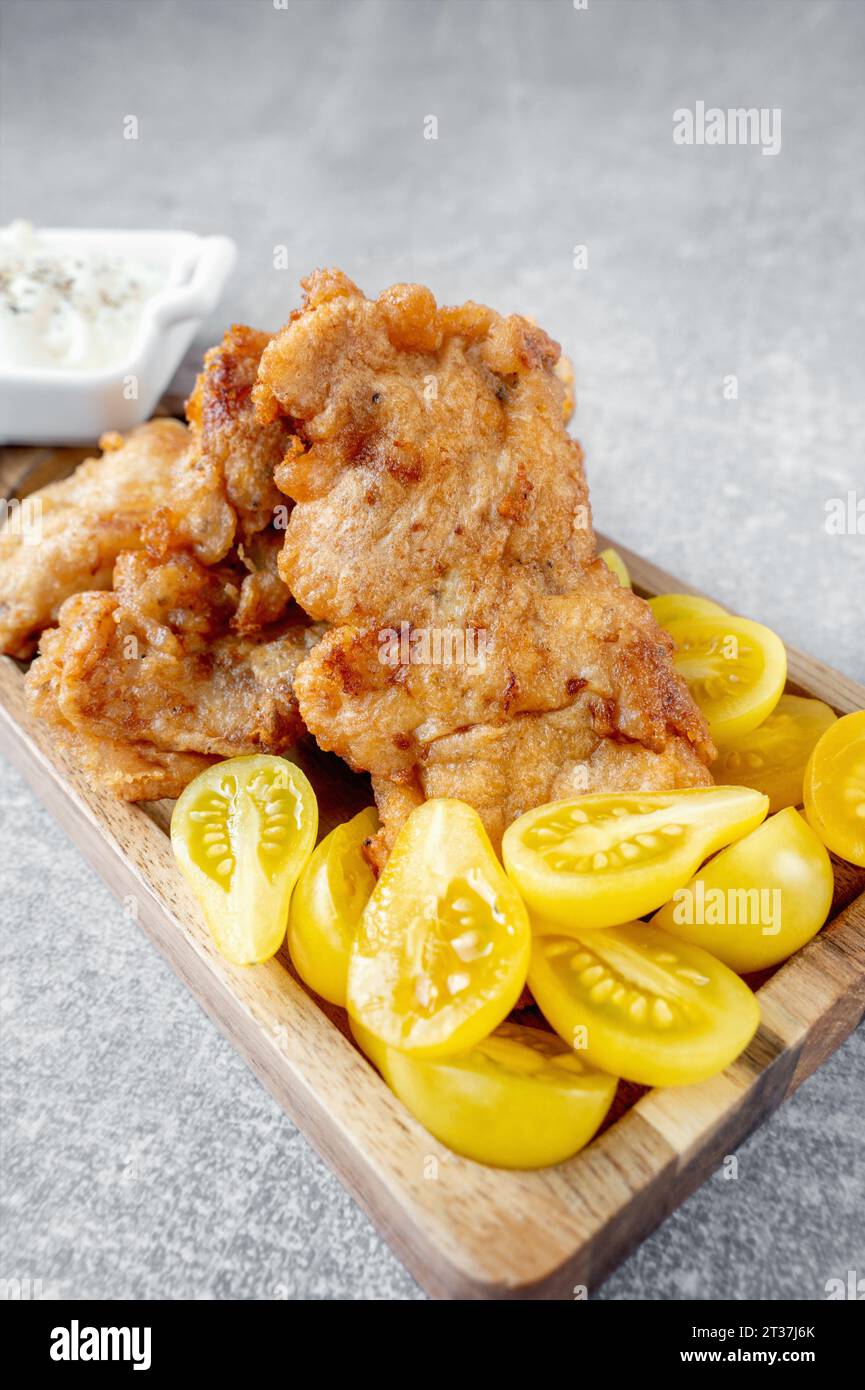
[(735, 670), (371, 1046), (835, 788), (611, 856), (442, 948), (616, 565), (757, 902), (772, 757), (241, 833), (326, 905), (643, 1004), (520, 1098), (673, 608)]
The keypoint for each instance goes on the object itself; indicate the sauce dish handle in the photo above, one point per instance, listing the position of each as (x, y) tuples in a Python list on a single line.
[(201, 295)]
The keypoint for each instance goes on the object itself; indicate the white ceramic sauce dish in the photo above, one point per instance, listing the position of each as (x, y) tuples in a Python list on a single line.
[(60, 405)]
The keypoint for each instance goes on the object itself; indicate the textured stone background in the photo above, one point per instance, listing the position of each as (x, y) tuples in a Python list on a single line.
[(140, 1159)]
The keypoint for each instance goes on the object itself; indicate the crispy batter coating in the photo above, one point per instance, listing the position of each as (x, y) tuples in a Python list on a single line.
[(264, 597), (438, 497), (156, 667), (102, 509), (222, 418), (130, 771), (162, 488)]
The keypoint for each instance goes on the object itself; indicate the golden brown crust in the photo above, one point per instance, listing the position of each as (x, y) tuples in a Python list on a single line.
[(192, 654), (435, 487), (155, 667), (227, 435), (130, 771), (162, 488), (102, 509)]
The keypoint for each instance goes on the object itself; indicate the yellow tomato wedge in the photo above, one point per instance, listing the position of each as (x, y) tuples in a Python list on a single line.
[(326, 905), (643, 1004), (673, 608), (735, 670), (520, 1098), (772, 758), (757, 902), (835, 788), (371, 1046), (442, 949), (241, 833), (612, 856), (616, 565)]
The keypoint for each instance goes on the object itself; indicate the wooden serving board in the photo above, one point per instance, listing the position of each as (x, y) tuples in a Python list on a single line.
[(465, 1231)]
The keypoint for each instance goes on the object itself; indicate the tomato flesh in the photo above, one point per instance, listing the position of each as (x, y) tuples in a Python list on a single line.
[(326, 906), (835, 788), (642, 1004), (773, 757), (441, 952), (606, 858), (757, 902), (241, 832), (735, 670)]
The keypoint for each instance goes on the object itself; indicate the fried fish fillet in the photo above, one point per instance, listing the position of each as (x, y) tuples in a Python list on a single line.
[(163, 487), (478, 648), (130, 771), (85, 521), (228, 436), (263, 595), (152, 680)]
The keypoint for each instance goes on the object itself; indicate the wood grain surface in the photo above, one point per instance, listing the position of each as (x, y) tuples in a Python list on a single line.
[(464, 1230)]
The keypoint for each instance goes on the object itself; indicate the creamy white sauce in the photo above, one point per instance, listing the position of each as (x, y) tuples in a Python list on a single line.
[(77, 309)]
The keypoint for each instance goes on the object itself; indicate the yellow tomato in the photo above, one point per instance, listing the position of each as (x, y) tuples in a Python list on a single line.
[(758, 901), (606, 858), (616, 565), (241, 833), (370, 1045), (673, 608), (773, 756), (331, 893), (519, 1099), (735, 670), (835, 788), (642, 1004), (442, 949)]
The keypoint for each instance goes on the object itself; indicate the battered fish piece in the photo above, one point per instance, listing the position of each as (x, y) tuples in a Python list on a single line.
[(478, 648), (130, 771), (162, 488), (227, 443), (152, 672), (263, 595), (228, 436), (101, 510)]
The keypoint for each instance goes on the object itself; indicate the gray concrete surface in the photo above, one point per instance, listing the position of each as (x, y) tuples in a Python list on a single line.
[(140, 1158)]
